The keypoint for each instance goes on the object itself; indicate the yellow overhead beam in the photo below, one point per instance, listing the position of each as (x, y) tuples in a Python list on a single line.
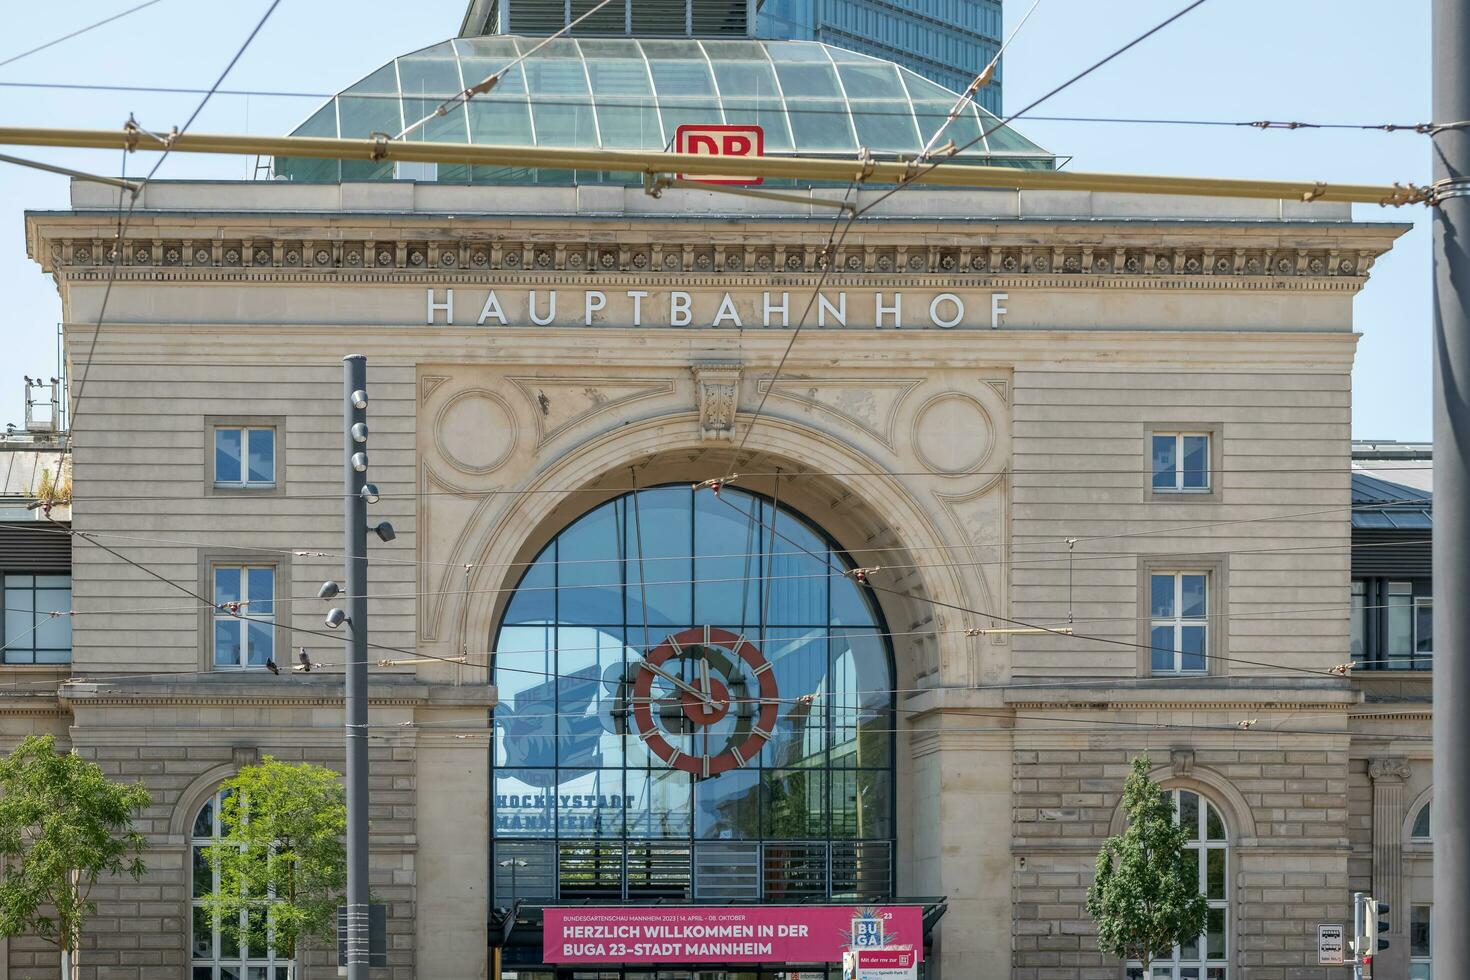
[(944, 174)]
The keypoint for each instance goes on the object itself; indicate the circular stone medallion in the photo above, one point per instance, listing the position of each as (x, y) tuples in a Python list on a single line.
[(953, 434), (475, 431)]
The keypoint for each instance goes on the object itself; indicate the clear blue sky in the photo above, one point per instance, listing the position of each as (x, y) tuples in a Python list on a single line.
[(1311, 60)]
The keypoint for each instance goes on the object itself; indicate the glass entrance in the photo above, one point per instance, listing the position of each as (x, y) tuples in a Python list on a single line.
[(636, 664)]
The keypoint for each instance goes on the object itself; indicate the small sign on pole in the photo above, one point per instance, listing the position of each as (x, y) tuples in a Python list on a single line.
[(1329, 944), (720, 141)]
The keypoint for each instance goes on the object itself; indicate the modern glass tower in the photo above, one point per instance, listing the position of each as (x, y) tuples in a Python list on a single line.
[(945, 41)]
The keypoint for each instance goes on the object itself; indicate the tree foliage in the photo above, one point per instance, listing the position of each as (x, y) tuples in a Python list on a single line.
[(63, 826), (281, 861), (1145, 897)]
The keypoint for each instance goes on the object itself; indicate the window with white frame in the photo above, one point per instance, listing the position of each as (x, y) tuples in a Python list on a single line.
[(214, 955), (1420, 961), (244, 617), (1181, 462), (37, 618), (1178, 622), (1206, 957), (244, 456)]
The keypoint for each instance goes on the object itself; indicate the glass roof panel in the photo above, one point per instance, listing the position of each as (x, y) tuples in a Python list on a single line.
[(373, 105), (874, 80), (796, 51), (556, 77), (631, 93), (719, 51), (426, 81), (686, 89), (619, 76), (883, 127), (1005, 138), (481, 57)]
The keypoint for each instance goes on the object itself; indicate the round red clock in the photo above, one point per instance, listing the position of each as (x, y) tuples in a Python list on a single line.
[(704, 669)]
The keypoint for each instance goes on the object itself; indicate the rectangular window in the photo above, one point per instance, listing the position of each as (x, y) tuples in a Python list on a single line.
[(1423, 632), (37, 618), (1178, 622), (245, 456), (244, 618), (1358, 621), (1419, 961), (1181, 462)]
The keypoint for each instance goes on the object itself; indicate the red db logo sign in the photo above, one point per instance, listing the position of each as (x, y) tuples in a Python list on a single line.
[(721, 141)]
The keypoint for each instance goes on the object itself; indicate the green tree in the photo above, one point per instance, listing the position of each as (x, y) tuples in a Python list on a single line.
[(1145, 897), (281, 861), (63, 826)]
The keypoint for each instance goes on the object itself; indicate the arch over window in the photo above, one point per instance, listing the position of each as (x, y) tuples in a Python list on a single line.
[(213, 956), (614, 781), (1208, 957)]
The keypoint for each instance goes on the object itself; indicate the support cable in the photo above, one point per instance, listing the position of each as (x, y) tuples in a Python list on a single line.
[(490, 81), (1422, 128), (973, 89), (985, 133), (77, 33), (136, 193)]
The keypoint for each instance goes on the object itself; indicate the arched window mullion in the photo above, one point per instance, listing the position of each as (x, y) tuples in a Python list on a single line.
[(1199, 963), (246, 963)]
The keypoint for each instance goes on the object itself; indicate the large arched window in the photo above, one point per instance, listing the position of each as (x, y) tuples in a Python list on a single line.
[(213, 956), (695, 703), (1208, 957)]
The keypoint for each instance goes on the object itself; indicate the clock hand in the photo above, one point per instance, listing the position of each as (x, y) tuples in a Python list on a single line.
[(681, 684)]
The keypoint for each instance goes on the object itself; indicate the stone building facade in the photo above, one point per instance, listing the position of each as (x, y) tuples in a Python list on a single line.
[(992, 450)]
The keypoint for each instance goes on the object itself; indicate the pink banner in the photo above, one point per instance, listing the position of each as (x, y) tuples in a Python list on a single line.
[(726, 934)]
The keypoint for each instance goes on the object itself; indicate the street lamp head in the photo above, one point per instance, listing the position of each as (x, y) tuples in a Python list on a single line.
[(359, 399), (385, 532), (359, 432), (370, 492), (335, 618), (329, 590), (359, 462)]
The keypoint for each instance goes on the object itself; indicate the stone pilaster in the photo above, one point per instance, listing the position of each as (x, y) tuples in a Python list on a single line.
[(1389, 775)]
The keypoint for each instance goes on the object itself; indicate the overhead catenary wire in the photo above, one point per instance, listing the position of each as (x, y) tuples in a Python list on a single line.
[(51, 168), (491, 80), (981, 80), (796, 474), (1028, 557), (167, 145), (673, 102), (990, 616), (928, 168), (802, 168), (866, 582), (77, 33)]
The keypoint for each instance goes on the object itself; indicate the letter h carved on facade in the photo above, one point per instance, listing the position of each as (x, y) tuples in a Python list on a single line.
[(717, 390)]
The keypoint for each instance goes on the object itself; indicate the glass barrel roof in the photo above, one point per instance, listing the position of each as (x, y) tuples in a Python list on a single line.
[(632, 94)]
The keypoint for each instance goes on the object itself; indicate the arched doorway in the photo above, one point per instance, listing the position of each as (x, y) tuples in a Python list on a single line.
[(696, 705)]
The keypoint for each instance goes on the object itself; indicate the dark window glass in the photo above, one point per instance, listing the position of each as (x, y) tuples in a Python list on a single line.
[(1165, 462), (1419, 916), (1421, 823), (1358, 620)]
